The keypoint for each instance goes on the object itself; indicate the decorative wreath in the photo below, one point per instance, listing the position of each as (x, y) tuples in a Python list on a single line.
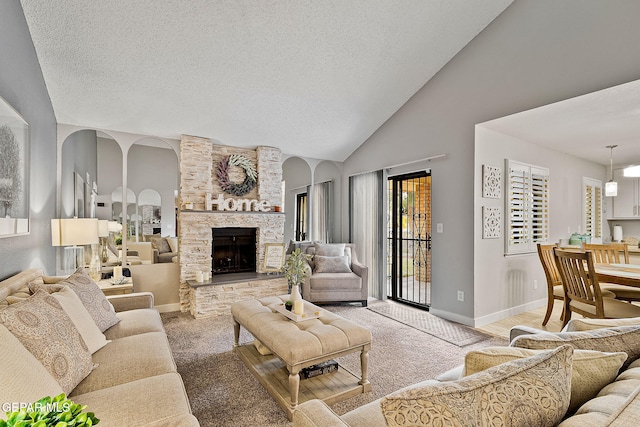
[(223, 175)]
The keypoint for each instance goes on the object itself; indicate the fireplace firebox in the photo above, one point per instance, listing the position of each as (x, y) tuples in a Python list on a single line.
[(233, 250)]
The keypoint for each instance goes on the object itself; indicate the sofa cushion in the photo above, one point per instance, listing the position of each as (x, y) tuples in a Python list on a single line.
[(81, 318), (592, 370), (523, 392), (161, 244), (332, 264), (19, 295), (623, 338), (22, 376), (134, 322), (329, 249), (173, 244), (129, 359), (336, 281), (91, 296), (48, 333), (138, 402)]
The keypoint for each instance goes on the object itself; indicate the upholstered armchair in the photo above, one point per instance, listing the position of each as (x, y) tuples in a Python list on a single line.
[(335, 275)]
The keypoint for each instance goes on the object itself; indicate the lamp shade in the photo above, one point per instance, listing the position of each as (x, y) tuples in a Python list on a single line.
[(74, 231), (611, 189), (103, 228)]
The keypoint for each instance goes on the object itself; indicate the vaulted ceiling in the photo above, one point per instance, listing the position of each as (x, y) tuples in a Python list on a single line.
[(314, 78)]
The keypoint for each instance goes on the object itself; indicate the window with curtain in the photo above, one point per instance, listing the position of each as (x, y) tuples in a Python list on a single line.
[(322, 206), (527, 207), (592, 207), (366, 226)]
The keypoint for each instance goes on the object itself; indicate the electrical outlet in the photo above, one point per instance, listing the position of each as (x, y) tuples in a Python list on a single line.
[(535, 284), (460, 296), (439, 228)]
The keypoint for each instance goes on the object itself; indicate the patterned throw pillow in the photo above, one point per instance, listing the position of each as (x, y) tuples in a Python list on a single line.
[(91, 296), (161, 244), (526, 392), (623, 338), (48, 333), (329, 249), (332, 264), (592, 370)]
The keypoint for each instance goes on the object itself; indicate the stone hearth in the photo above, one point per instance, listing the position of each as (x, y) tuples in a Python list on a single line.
[(198, 160)]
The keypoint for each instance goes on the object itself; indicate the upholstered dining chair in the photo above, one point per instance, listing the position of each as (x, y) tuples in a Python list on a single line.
[(613, 253), (582, 290), (555, 291)]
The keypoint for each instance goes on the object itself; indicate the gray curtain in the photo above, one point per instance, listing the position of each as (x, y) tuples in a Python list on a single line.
[(366, 226), (321, 225)]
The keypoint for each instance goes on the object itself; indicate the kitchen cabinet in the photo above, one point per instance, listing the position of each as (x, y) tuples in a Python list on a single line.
[(627, 203)]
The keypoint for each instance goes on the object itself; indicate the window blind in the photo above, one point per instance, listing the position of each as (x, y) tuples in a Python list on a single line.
[(592, 207), (527, 207)]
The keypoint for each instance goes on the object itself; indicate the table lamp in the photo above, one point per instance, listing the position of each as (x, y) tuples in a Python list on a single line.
[(73, 234)]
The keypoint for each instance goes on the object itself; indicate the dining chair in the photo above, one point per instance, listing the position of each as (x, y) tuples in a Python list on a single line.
[(555, 291), (613, 253), (582, 289)]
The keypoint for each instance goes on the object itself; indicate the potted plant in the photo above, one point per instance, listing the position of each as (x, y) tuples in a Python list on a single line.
[(288, 305), (51, 412), (295, 268)]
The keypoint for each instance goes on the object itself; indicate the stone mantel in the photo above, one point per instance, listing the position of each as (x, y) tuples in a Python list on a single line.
[(199, 158)]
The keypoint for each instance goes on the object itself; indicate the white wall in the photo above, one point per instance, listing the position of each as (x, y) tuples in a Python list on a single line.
[(296, 174), (533, 54), (503, 285)]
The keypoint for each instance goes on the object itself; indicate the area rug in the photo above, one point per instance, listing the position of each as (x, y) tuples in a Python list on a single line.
[(222, 391), (450, 332)]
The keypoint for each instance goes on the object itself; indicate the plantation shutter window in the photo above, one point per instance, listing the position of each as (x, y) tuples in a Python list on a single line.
[(592, 207), (527, 207)]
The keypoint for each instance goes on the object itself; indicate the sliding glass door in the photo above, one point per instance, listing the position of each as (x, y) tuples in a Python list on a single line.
[(409, 239)]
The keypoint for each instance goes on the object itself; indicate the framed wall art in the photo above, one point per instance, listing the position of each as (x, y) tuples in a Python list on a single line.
[(491, 222), (273, 257), (14, 172), (491, 182)]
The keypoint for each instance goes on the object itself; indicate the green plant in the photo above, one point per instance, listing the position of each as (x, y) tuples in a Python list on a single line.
[(295, 268), (288, 305), (51, 412)]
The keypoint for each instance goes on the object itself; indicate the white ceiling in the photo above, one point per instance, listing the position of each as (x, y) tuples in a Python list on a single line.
[(314, 78), (584, 126)]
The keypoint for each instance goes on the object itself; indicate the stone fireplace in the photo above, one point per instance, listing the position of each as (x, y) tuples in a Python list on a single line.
[(199, 159), (233, 250)]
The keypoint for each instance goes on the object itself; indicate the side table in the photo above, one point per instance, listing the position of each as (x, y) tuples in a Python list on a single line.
[(109, 289)]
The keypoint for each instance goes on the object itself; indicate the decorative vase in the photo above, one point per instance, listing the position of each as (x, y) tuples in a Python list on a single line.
[(295, 293), (95, 267)]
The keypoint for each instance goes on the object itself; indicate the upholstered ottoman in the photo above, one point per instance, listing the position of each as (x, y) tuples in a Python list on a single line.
[(298, 345)]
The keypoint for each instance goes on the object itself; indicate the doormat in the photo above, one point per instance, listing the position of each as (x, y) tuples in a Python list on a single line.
[(445, 330)]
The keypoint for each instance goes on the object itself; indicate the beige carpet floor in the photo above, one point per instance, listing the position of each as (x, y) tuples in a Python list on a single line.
[(222, 392)]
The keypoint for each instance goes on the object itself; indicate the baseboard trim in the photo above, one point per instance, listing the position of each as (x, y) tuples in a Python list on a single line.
[(166, 308), (499, 315), (451, 316)]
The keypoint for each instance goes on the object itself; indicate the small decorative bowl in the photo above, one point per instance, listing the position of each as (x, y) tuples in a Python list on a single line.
[(119, 281)]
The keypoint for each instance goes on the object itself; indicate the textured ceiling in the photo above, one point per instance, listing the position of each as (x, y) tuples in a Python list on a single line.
[(584, 126), (314, 78)]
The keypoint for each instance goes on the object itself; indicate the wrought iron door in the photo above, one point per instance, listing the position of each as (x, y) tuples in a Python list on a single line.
[(409, 239)]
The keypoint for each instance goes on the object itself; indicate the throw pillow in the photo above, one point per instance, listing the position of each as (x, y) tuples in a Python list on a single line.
[(22, 376), (90, 294), (81, 318), (586, 324), (161, 244), (623, 338), (48, 333), (329, 249), (332, 264), (525, 392), (173, 244), (592, 370), (20, 295)]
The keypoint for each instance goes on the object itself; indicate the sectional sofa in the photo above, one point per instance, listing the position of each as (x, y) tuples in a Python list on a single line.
[(588, 375), (117, 361)]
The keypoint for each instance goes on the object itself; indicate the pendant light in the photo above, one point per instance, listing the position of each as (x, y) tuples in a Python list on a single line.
[(611, 187)]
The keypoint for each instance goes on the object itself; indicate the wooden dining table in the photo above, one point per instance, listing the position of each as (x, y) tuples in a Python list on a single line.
[(622, 274)]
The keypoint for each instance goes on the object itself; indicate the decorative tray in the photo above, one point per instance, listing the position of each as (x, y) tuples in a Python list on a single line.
[(280, 308), (120, 281)]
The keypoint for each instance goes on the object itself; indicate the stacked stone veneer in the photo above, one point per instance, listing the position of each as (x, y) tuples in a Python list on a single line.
[(199, 158)]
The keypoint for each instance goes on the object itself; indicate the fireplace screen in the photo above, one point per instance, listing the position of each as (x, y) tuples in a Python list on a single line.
[(233, 250)]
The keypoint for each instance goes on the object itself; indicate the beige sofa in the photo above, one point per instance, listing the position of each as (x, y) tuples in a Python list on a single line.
[(331, 284), (134, 380), (586, 376)]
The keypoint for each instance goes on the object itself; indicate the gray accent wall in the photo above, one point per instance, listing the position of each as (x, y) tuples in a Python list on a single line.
[(22, 85), (535, 53)]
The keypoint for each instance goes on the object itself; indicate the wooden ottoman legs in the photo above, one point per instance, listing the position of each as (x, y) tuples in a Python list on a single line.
[(364, 367), (294, 387), (236, 333)]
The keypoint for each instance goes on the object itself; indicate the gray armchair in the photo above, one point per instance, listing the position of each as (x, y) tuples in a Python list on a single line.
[(330, 280)]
